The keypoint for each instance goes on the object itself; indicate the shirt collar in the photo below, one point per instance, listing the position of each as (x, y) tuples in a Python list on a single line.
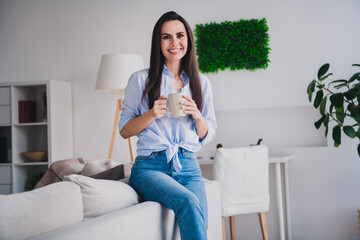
[(184, 77)]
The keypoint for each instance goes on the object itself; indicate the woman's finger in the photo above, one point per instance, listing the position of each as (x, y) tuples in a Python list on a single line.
[(188, 98)]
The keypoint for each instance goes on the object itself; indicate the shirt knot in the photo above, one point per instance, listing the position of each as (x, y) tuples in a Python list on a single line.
[(172, 155)]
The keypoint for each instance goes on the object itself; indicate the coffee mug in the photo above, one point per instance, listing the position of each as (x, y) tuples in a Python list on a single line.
[(174, 100)]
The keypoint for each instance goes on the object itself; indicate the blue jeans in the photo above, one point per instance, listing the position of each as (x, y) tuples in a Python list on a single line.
[(155, 180)]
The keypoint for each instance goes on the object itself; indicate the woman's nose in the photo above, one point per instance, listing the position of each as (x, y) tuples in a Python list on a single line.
[(175, 41)]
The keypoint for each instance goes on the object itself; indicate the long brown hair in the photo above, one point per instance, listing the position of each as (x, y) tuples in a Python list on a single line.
[(157, 61)]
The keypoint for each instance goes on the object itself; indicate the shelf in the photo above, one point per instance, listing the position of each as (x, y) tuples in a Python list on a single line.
[(31, 112), (22, 173), (30, 124), (5, 164), (25, 126), (31, 164), (29, 138)]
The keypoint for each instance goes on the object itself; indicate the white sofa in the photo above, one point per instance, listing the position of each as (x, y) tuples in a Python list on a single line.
[(57, 211)]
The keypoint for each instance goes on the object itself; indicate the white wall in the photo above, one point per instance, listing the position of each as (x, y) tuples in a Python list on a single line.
[(64, 40)]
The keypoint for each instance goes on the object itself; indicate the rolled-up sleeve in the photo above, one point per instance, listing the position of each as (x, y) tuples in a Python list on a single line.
[(131, 106), (208, 111)]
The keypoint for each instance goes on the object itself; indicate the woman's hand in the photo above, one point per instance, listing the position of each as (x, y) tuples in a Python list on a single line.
[(191, 108), (160, 107), (136, 125)]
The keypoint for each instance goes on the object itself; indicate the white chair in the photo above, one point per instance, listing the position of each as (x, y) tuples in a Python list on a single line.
[(243, 174)]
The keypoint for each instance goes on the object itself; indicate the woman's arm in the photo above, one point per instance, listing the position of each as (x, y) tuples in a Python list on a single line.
[(136, 125), (190, 107)]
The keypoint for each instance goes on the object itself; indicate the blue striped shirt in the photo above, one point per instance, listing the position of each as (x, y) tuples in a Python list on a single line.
[(167, 133)]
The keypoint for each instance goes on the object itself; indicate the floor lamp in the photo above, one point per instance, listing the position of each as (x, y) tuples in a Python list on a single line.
[(113, 75)]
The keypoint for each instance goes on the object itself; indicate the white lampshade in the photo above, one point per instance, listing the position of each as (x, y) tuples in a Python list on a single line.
[(115, 70)]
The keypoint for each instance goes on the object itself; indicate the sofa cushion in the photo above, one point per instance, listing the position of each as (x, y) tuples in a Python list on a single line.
[(103, 196), (28, 214)]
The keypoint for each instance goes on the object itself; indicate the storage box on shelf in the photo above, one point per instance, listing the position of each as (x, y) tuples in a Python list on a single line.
[(43, 125), (4, 106)]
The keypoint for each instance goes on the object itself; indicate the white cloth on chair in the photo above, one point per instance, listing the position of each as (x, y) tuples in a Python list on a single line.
[(243, 174)]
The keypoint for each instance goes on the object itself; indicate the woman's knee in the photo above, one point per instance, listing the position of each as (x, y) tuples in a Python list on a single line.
[(190, 202)]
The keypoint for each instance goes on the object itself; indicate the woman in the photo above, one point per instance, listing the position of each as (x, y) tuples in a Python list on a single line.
[(166, 169)]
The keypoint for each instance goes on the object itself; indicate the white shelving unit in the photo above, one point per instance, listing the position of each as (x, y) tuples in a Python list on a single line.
[(51, 132)]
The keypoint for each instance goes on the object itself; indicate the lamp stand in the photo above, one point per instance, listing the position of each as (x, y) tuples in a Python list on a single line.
[(116, 120)]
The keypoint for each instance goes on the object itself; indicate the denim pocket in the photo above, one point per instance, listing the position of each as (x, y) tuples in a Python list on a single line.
[(188, 154), (151, 156)]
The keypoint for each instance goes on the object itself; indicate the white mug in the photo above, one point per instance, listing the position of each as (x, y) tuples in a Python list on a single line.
[(174, 100)]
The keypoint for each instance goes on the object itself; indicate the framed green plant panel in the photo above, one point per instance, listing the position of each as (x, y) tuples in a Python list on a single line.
[(237, 45)]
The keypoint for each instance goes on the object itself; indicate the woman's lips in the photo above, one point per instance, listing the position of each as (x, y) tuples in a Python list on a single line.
[(174, 51)]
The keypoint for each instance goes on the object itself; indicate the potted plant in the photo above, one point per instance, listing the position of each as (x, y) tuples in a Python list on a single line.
[(33, 180), (342, 97), (337, 100)]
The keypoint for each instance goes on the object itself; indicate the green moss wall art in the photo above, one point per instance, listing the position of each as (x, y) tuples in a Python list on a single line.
[(236, 45)]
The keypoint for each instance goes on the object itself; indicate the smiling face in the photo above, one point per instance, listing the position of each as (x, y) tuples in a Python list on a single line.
[(174, 41)]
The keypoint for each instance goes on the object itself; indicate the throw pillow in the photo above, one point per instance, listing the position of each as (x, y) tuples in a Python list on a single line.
[(127, 169), (97, 166), (115, 173), (59, 169), (103, 196)]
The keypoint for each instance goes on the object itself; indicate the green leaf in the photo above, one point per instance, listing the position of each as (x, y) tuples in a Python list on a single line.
[(340, 115), (356, 116), (348, 130), (336, 134), (326, 131), (357, 134), (325, 77), (326, 121), (352, 93), (358, 150), (319, 122), (323, 105), (354, 77), (311, 89), (351, 108), (323, 69), (337, 99), (338, 81), (341, 85), (358, 65), (318, 98)]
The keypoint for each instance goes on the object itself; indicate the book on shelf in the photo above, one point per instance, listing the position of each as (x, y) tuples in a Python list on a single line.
[(27, 111)]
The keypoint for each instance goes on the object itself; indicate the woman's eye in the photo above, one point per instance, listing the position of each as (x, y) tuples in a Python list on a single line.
[(166, 37), (180, 35)]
